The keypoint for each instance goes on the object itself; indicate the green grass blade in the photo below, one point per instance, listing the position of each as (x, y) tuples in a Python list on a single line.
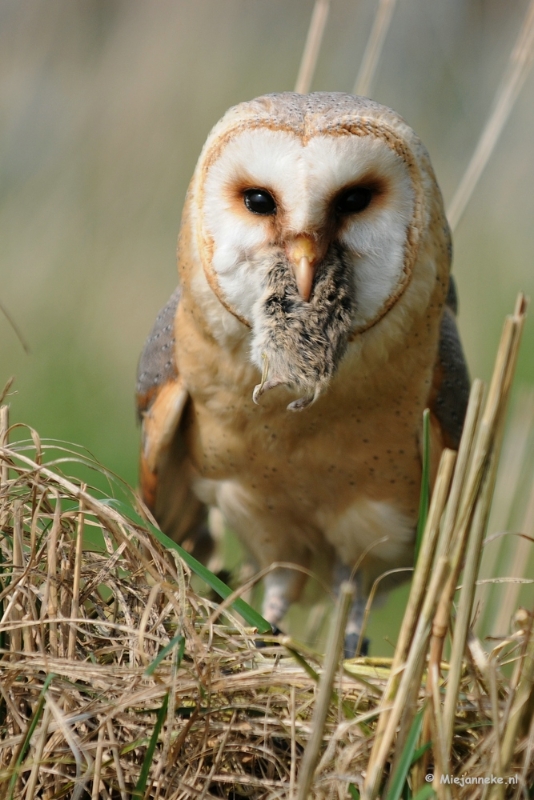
[(425, 793), (29, 733), (140, 786), (420, 751), (399, 778), (354, 793), (251, 616), (424, 498), (178, 640), (309, 670), (301, 661)]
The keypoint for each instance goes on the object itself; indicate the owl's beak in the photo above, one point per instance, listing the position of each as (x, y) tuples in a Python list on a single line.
[(302, 254)]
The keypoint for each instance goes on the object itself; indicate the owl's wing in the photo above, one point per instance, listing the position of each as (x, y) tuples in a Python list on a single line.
[(450, 384), (161, 405)]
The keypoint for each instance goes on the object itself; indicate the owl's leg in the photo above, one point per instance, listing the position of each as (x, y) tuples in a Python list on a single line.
[(282, 587), (342, 573)]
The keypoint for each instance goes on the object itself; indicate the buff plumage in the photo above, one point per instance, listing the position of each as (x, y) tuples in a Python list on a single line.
[(307, 336)]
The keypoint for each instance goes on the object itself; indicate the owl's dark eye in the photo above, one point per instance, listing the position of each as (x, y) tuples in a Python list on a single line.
[(259, 201), (354, 200)]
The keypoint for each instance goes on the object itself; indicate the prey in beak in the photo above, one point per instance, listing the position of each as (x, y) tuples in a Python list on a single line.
[(302, 321)]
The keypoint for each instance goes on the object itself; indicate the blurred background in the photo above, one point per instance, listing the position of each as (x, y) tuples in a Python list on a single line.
[(105, 105)]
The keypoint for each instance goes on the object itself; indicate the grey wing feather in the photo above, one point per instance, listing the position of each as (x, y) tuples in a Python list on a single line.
[(157, 364), (166, 486), (450, 403)]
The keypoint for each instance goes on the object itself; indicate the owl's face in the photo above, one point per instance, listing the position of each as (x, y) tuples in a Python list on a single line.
[(308, 226)]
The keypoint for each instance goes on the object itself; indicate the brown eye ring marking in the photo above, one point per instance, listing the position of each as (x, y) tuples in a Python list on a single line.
[(259, 201)]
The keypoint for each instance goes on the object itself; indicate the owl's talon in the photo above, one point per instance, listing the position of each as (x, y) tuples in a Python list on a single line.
[(261, 643), (352, 640)]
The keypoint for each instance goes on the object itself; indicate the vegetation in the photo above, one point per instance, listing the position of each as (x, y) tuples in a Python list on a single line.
[(118, 680)]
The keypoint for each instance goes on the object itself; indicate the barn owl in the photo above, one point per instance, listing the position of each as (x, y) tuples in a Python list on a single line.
[(285, 380)]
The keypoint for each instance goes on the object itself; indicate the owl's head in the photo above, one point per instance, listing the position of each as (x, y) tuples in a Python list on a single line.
[(315, 217)]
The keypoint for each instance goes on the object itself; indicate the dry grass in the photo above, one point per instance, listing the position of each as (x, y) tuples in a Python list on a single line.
[(118, 680)]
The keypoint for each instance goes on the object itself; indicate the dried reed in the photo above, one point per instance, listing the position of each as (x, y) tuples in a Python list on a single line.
[(519, 64), (312, 46), (375, 44)]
